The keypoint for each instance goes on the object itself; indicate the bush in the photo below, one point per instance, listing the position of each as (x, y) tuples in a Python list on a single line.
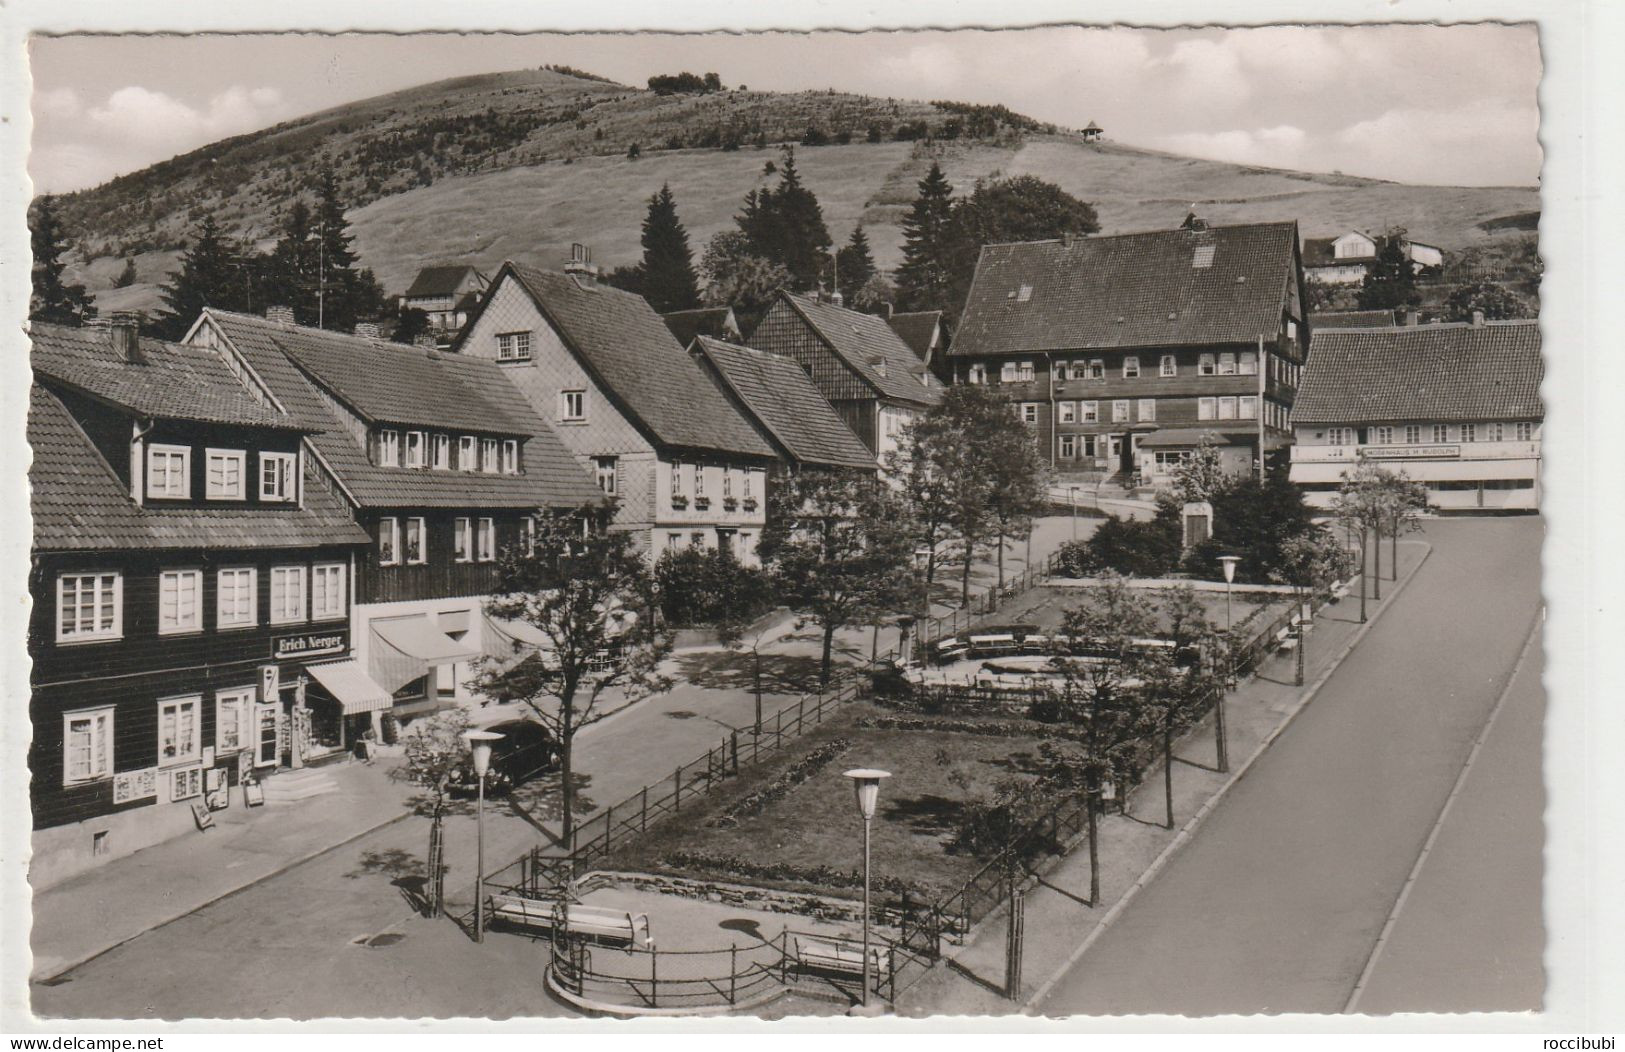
[(703, 587), (1127, 546), (746, 869)]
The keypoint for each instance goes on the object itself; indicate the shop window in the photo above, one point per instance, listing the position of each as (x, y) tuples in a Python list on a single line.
[(180, 731), (89, 607), (224, 474), (87, 745), (180, 601), (231, 709)]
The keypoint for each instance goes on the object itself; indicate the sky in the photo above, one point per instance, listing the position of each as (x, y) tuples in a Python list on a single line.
[(1450, 105)]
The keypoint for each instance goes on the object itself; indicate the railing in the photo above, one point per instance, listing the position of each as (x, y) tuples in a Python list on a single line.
[(985, 604), (649, 979)]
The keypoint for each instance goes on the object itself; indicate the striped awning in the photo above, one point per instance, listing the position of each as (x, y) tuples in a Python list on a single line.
[(349, 683), (405, 648)]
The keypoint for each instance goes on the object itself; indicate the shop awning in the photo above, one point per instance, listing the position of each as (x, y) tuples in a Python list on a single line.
[(522, 633), (405, 648), (349, 683)]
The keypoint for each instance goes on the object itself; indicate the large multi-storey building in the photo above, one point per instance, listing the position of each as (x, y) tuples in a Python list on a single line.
[(1456, 407), (1188, 335), (683, 464), (191, 585), (440, 461)]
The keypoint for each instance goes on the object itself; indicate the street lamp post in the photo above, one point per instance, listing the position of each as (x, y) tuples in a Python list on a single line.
[(1229, 562), (479, 743), (866, 783)]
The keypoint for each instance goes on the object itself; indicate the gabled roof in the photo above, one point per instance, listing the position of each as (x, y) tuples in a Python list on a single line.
[(716, 322), (782, 398), (1164, 288), (1422, 373), (869, 347), (552, 477), (1092, 126), (174, 382), (916, 329), (395, 383), (79, 504), (444, 281), (1353, 319), (628, 348)]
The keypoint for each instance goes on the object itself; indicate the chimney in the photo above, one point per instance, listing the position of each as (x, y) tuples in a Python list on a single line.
[(879, 364), (1066, 238), (1413, 317), (126, 329), (836, 298), (1478, 318), (280, 314), (885, 311), (369, 329), (580, 265)]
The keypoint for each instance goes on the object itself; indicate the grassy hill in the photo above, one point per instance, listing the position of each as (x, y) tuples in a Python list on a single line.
[(519, 165)]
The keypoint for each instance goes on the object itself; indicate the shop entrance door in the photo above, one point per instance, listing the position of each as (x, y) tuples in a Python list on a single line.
[(268, 742)]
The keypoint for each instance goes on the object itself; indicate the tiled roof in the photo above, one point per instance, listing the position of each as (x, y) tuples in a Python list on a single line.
[(175, 381), (784, 401), (399, 384), (78, 503), (916, 330), (1429, 372), (717, 322), (870, 347), (1353, 319), (1175, 437), (552, 477), (1165, 288), (440, 281), (649, 374)]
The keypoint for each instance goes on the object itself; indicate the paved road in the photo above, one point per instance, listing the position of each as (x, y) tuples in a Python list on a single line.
[(1277, 904)]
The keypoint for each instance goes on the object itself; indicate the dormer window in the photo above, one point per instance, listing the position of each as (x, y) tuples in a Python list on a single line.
[(466, 453), (510, 456), (440, 452), (1024, 293), (1203, 257), (389, 448), (276, 477), (169, 472), (488, 455), (224, 478), (415, 443)]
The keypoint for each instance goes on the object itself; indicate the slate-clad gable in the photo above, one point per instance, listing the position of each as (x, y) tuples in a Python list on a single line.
[(782, 398), (552, 477), (1166, 288), (869, 348), (1430, 373)]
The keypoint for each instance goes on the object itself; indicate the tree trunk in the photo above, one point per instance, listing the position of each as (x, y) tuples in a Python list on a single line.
[(1393, 552), (964, 579), (931, 564), (1094, 846), (1376, 568), (1168, 766), (1303, 642), (757, 682), (1001, 561), (825, 664), (567, 789)]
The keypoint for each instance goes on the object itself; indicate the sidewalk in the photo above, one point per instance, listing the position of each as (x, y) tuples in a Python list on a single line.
[(94, 911), (1058, 923)]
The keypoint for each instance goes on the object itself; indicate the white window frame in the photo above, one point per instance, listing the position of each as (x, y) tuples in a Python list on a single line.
[(439, 451), (1525, 431), (462, 539), (1413, 434), (1069, 447), (573, 406), (699, 481), (1025, 372), (242, 700), (389, 448), (468, 451), (194, 751), (168, 454), (389, 528), (99, 763), (1227, 402), (1494, 431), (1029, 412), (527, 534), (1469, 432), (1247, 407), (1207, 408), (416, 449), (334, 590), (1383, 435), (1339, 436), (745, 487), (486, 538), (488, 456), (976, 374), (1247, 363), (296, 572), (415, 522), (1089, 412), (238, 457), (510, 456), (677, 478), (1441, 433), (1207, 365), (1120, 410), (100, 584), (1146, 410), (283, 467), (1227, 363), (606, 472), (1169, 366), (1007, 373), (1097, 368), (179, 627), (1069, 412), (224, 619), (513, 346), (1131, 367)]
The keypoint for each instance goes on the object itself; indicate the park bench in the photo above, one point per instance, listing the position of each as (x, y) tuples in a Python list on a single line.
[(599, 923), (840, 957)]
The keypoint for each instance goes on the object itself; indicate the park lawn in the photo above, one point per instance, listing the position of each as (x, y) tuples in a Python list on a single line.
[(934, 775)]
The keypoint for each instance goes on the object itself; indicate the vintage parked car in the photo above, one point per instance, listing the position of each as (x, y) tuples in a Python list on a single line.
[(524, 751)]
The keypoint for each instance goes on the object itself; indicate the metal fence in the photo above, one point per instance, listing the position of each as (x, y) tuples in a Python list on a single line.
[(653, 979)]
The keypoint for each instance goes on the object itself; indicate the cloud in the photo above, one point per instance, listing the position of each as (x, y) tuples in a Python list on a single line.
[(1282, 146), (59, 103), (1446, 145), (140, 114)]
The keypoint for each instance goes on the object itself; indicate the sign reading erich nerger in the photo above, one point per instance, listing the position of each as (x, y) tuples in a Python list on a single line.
[(309, 644)]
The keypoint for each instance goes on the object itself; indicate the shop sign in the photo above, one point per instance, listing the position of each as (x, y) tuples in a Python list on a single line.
[(135, 785), (309, 644), (1411, 452)]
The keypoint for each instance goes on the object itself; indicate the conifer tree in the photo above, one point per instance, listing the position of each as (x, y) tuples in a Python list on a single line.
[(54, 300), (856, 264), (804, 240), (668, 280), (292, 267), (923, 277), (208, 278)]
